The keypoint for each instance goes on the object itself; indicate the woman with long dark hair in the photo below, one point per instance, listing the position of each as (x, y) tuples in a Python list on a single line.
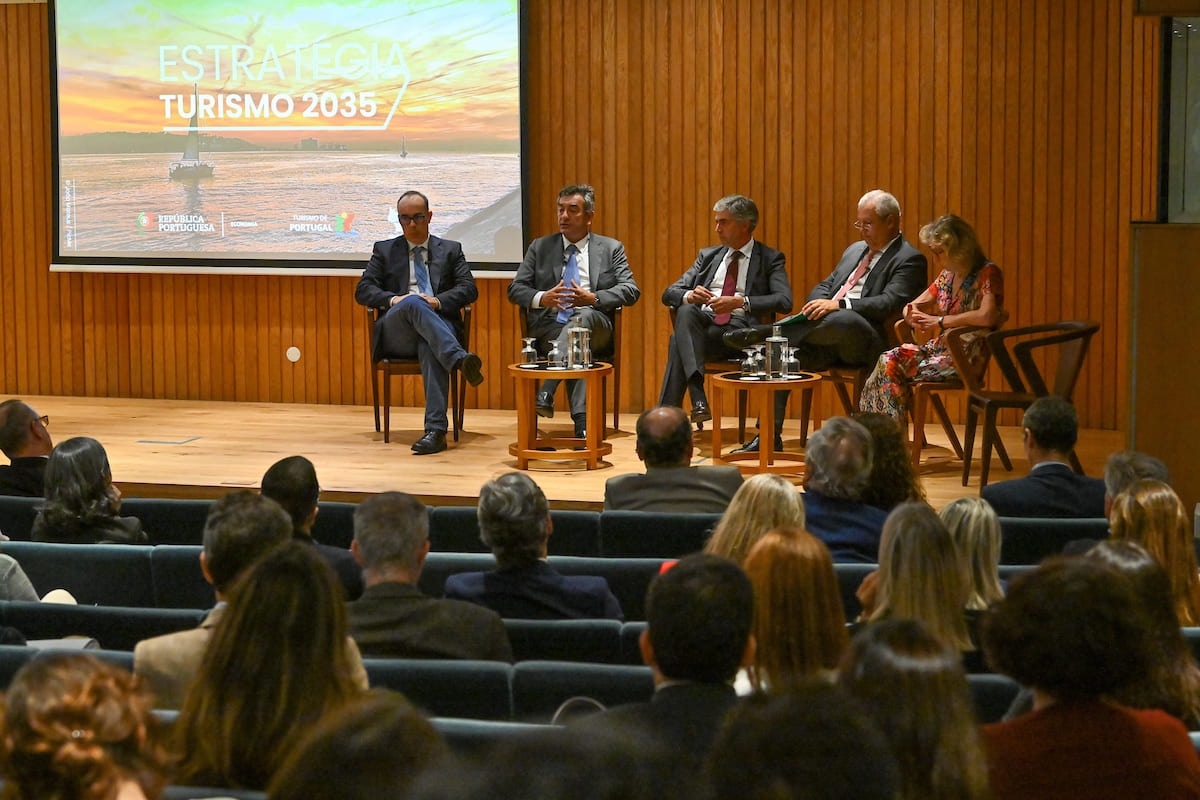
[(81, 502)]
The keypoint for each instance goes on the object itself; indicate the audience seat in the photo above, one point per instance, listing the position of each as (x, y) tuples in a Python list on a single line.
[(540, 687), (114, 627), (209, 793), (1028, 540), (17, 515), (992, 695), (470, 689), (169, 520), (594, 640), (1192, 637), (850, 577), (631, 651), (467, 737), (439, 566), (12, 658), (648, 534), (177, 578), (96, 574), (455, 529), (334, 524)]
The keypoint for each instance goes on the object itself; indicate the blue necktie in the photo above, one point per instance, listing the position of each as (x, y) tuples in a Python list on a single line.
[(422, 274), (570, 276)]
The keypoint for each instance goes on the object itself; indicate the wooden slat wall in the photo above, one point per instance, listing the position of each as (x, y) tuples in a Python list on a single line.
[(1034, 120)]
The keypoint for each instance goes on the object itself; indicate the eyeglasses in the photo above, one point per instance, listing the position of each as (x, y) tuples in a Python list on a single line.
[(45, 420), (863, 225), (405, 219)]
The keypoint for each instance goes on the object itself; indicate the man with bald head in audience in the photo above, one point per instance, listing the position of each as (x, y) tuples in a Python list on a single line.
[(241, 528), (26, 442), (837, 466), (393, 618), (670, 483)]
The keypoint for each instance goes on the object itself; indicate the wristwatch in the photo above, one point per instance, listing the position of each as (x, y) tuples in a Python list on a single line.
[(941, 324)]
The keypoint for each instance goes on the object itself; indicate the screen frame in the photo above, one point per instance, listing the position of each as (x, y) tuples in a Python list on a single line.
[(319, 267)]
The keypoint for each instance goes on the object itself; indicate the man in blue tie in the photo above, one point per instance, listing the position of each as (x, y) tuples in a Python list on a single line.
[(573, 278), (424, 282)]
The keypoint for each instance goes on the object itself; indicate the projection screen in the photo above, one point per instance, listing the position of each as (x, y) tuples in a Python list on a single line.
[(279, 133)]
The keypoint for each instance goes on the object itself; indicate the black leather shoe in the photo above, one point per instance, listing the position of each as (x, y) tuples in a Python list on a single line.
[(545, 404), (580, 430), (752, 446), (741, 338), (472, 369), (431, 442), (700, 412)]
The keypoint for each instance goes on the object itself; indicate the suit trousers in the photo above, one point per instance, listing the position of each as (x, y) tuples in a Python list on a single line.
[(413, 328), (601, 326), (696, 339)]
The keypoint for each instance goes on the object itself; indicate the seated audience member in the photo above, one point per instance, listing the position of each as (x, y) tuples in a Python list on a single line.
[(292, 482), (1151, 514), (914, 689), (393, 619), (1074, 632), (698, 614), (26, 442), (812, 743), (514, 520), (1051, 489), (78, 728), (764, 503), (14, 583), (375, 747), (563, 764), (241, 527), (893, 478), (1172, 681), (837, 468), (975, 529), (81, 502), (919, 577), (1124, 467), (670, 483), (279, 661), (799, 623)]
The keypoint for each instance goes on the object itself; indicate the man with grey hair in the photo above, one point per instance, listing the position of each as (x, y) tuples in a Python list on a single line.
[(514, 520), (1125, 467), (26, 442), (844, 321), (573, 279), (726, 285), (838, 464), (393, 618)]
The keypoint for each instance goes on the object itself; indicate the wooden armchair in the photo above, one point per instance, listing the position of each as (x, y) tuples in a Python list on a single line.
[(388, 367)]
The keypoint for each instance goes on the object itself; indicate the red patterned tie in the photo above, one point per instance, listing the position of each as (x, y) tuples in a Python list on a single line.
[(855, 276), (729, 288)]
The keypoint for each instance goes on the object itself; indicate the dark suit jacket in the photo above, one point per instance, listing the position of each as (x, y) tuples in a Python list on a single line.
[(1050, 491), (897, 278), (25, 477), (344, 564), (386, 276), (850, 530), (767, 286), (111, 530), (697, 490), (395, 620), (608, 274), (683, 716), (536, 592)]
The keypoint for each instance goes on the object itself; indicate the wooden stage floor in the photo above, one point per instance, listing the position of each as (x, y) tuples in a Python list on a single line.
[(176, 448)]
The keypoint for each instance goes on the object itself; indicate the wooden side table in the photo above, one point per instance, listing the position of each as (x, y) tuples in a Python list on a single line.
[(559, 448), (761, 397)]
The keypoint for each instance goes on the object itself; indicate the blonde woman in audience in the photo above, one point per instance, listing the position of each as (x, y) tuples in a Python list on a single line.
[(277, 664), (77, 728), (914, 689), (1151, 514), (975, 529), (919, 577), (799, 623), (763, 503)]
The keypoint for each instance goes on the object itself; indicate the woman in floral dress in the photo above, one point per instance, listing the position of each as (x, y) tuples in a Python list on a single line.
[(969, 290)]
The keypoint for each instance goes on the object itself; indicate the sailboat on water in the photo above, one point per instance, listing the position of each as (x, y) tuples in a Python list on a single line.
[(404, 147), (191, 166)]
